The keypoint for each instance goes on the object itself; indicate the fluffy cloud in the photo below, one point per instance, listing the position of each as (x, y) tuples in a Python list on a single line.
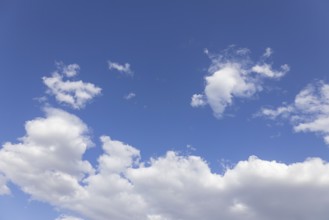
[(233, 75), (309, 112), (47, 164), (123, 68), (73, 93)]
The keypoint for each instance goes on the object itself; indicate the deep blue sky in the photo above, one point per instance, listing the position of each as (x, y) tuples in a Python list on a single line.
[(163, 41)]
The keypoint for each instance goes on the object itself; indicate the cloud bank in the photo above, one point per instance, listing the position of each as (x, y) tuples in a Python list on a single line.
[(233, 75), (308, 113), (47, 163), (72, 93)]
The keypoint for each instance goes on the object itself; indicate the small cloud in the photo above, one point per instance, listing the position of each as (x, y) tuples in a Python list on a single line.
[(68, 70), (268, 52), (308, 113), (123, 68), (198, 100), (231, 75), (129, 96), (73, 93)]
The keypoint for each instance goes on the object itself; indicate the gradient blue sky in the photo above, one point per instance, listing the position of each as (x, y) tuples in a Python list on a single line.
[(164, 42)]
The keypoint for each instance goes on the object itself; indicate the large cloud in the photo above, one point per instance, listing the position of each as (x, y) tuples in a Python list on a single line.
[(47, 164), (73, 93), (234, 75), (309, 112)]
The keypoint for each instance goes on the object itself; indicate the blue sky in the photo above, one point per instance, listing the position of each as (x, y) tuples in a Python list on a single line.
[(258, 68)]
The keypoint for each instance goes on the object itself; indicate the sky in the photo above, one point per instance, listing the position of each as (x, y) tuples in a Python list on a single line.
[(164, 110)]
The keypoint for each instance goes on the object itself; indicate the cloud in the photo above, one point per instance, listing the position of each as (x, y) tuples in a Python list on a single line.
[(308, 113), (129, 96), (66, 217), (123, 68), (73, 93), (69, 70), (47, 164), (268, 52), (4, 190), (233, 75)]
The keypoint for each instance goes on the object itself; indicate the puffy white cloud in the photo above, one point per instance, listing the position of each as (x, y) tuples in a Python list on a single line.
[(47, 162), (233, 75), (309, 112), (129, 96), (123, 68), (73, 93), (198, 100), (48, 165)]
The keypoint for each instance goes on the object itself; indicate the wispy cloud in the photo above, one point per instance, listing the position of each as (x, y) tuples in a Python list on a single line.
[(129, 96), (168, 187), (232, 74), (123, 68), (73, 93), (308, 113)]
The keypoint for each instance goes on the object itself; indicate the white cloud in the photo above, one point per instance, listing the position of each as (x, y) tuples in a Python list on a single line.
[(123, 68), (73, 93), (198, 100), (309, 112), (233, 75), (267, 70), (69, 70), (129, 96), (47, 164)]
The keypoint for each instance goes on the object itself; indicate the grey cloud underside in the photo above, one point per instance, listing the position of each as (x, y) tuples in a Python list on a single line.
[(121, 186)]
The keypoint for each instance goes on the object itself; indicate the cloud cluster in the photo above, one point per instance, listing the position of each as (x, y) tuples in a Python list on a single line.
[(234, 75), (73, 93), (309, 112), (48, 164), (122, 68)]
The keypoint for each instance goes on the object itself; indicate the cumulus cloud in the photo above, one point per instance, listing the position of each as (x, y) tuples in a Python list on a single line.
[(73, 93), (308, 113), (123, 68), (129, 96), (47, 163), (233, 75)]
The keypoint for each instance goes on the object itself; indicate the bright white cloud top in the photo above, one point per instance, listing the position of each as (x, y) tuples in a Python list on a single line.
[(233, 75), (47, 164), (73, 93), (309, 112), (122, 68)]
